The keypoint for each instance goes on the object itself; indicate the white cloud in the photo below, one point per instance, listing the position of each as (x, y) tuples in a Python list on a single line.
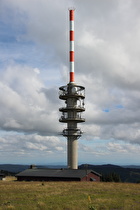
[(26, 105), (35, 63), (37, 71), (25, 143)]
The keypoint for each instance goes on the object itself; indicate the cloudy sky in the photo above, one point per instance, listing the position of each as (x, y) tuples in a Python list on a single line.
[(34, 63)]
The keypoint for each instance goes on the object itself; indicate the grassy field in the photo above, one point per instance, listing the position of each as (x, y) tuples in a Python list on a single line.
[(68, 195)]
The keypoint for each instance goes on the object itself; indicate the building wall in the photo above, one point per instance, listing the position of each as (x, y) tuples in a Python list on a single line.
[(86, 178), (91, 176), (23, 178)]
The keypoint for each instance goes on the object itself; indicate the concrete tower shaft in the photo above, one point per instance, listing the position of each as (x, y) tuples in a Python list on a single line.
[(74, 96), (72, 115)]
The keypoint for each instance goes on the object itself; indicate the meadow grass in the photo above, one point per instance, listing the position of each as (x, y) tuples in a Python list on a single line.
[(69, 195)]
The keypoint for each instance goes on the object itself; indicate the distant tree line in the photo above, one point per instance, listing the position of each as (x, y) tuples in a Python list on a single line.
[(7, 173), (111, 177)]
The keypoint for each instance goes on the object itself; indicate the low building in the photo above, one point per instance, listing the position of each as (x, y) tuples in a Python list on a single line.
[(43, 174), (2, 176)]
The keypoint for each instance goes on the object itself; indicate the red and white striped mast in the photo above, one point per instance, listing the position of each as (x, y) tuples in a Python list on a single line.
[(71, 56)]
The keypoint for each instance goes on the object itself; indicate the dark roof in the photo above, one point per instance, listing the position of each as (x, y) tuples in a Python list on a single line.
[(69, 173)]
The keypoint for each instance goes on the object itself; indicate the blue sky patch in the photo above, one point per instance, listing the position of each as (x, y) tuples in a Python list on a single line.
[(118, 106)]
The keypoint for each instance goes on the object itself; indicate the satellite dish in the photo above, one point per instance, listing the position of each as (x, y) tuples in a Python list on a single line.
[(74, 90)]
